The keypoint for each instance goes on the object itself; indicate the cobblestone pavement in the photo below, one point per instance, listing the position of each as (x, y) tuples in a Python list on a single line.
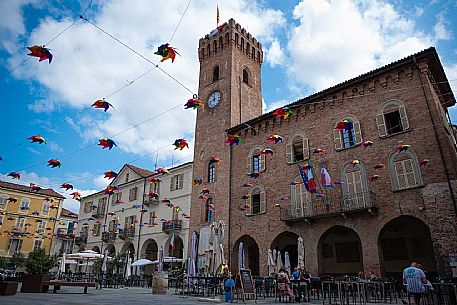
[(123, 296)]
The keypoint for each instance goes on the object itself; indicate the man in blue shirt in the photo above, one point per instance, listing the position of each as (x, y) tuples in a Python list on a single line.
[(414, 279)]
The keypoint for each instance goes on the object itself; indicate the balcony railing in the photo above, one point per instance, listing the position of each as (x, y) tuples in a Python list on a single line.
[(109, 236), (66, 251), (150, 200), (127, 233), (81, 240), (98, 213), (167, 227), (329, 206)]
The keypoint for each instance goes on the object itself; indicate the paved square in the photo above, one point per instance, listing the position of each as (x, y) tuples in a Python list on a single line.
[(124, 296)]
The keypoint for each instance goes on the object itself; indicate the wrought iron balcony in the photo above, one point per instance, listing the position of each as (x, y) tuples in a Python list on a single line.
[(98, 213), (167, 227), (81, 240), (127, 233), (150, 200), (109, 236), (333, 205)]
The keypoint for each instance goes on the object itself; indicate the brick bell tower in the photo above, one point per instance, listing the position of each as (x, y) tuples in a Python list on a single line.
[(230, 87)]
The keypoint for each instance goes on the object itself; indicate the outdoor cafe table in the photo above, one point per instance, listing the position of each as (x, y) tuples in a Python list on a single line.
[(203, 284), (300, 287)]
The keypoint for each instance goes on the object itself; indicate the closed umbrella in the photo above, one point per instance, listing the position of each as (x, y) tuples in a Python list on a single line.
[(62, 264), (271, 263), (128, 266), (275, 260), (160, 269), (191, 269), (105, 261), (279, 264), (287, 261), (241, 256), (301, 253)]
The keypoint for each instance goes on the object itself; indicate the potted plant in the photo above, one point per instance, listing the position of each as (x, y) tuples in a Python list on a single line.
[(6, 287), (37, 266)]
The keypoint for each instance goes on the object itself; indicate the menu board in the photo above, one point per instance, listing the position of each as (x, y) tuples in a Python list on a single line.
[(247, 285)]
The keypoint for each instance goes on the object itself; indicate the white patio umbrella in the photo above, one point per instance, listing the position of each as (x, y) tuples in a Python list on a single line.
[(62, 264), (219, 249), (241, 262), (105, 261), (279, 264), (191, 269), (128, 266), (160, 260), (141, 262), (168, 259), (287, 261), (271, 263), (275, 259), (301, 253)]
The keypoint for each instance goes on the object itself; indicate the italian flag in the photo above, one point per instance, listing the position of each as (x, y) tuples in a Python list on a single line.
[(311, 182)]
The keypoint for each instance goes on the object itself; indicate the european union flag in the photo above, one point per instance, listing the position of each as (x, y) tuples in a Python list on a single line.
[(305, 177)]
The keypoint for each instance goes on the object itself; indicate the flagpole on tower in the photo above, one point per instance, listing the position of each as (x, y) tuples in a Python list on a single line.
[(217, 16)]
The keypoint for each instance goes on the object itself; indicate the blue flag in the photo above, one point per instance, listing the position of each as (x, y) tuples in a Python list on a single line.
[(305, 178)]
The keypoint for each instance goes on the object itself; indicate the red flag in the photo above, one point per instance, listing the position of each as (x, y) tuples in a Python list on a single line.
[(218, 15)]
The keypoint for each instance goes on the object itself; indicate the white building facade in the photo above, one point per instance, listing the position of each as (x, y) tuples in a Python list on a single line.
[(64, 234), (131, 219)]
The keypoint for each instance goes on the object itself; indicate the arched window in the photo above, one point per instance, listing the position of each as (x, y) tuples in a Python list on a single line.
[(349, 135), (355, 187), (300, 200), (211, 172), (404, 170), (215, 46), (256, 161), (209, 49), (221, 43), (209, 210), (245, 76), (256, 201), (242, 44), (392, 118), (215, 74), (298, 148)]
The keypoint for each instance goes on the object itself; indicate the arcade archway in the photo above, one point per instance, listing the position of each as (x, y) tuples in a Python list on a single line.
[(287, 242), (251, 254), (340, 252)]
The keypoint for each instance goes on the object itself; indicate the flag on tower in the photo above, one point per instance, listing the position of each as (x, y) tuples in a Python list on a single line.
[(217, 16)]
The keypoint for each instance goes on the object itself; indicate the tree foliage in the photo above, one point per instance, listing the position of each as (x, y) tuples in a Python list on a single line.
[(39, 262)]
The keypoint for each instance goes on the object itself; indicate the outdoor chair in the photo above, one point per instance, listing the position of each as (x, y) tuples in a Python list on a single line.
[(281, 290), (259, 287), (269, 287)]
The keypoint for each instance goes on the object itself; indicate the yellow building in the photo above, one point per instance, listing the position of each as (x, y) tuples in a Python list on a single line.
[(27, 217)]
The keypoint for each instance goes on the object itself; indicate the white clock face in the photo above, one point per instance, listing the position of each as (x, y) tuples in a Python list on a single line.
[(214, 99)]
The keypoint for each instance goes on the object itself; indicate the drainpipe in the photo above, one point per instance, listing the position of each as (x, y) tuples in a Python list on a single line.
[(230, 209), (440, 149), (141, 220)]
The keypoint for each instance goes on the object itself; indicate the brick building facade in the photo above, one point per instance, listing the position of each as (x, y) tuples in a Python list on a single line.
[(362, 224)]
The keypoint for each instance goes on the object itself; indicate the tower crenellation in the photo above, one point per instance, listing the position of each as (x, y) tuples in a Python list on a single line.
[(232, 34)]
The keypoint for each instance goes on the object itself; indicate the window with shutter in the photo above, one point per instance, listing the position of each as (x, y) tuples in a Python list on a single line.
[(262, 163), (403, 118), (25, 205), (181, 181), (172, 183), (255, 203), (20, 223), (45, 208), (256, 163), (381, 125), (289, 153), (211, 172), (357, 132), (400, 175), (3, 201), (337, 139), (249, 204), (133, 193), (37, 244), (249, 165), (263, 203), (409, 173)]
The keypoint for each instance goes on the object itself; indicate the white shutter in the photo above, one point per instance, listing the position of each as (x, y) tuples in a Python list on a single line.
[(350, 183), (172, 183), (357, 132), (305, 148), (337, 139), (262, 163), (263, 204), (409, 173), (181, 178), (380, 121), (289, 153), (403, 118), (358, 187), (249, 165), (400, 174), (249, 203)]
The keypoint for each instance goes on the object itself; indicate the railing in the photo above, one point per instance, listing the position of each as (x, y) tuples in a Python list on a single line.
[(99, 212), (127, 233), (150, 200), (167, 227), (81, 240), (109, 236), (66, 251), (331, 205)]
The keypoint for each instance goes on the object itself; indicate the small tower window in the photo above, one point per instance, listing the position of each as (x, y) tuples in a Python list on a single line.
[(236, 39), (209, 49), (227, 38), (258, 56), (253, 53), (248, 47), (203, 53), (216, 74), (211, 173), (209, 210), (221, 43), (245, 76), (242, 44), (215, 46)]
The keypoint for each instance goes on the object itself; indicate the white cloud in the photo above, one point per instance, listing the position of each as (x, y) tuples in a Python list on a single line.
[(419, 10), (338, 40), (440, 30), (101, 182), (41, 106), (275, 54), (274, 105), (12, 23), (54, 147), (88, 65)]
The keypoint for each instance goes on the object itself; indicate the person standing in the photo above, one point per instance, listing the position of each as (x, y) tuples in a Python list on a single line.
[(415, 280)]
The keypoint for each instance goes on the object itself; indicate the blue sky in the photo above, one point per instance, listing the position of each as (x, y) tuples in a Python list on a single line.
[(308, 46)]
